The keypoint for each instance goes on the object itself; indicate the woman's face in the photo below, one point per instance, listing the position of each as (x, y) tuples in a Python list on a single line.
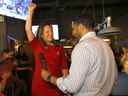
[(47, 33)]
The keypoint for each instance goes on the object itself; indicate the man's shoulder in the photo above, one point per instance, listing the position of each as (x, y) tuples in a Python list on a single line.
[(86, 42), (90, 43)]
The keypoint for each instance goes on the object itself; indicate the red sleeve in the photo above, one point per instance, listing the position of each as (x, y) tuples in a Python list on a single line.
[(35, 45), (63, 59)]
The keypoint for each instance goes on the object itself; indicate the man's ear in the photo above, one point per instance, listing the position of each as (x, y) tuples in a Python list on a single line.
[(81, 27)]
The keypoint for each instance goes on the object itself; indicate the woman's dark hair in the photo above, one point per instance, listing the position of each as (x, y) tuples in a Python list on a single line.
[(42, 25), (40, 29)]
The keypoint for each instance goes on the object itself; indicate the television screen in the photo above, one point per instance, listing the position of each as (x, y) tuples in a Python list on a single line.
[(14, 8), (35, 29), (55, 31)]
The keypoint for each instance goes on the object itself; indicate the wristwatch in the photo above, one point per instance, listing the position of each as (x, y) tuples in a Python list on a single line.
[(49, 78)]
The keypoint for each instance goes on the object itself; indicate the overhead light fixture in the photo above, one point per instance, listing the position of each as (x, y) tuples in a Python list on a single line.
[(109, 31), (107, 28)]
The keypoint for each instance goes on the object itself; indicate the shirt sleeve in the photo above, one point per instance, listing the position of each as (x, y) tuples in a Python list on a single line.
[(63, 59), (78, 71), (35, 45)]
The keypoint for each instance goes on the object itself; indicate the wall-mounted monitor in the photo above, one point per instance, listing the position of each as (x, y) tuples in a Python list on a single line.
[(55, 31), (14, 8), (35, 29)]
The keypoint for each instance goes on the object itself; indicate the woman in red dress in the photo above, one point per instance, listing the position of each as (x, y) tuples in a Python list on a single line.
[(47, 55)]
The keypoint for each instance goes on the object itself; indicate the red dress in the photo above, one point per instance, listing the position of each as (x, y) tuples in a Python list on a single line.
[(56, 61)]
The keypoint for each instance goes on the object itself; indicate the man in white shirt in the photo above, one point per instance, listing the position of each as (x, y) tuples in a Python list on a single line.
[(93, 70)]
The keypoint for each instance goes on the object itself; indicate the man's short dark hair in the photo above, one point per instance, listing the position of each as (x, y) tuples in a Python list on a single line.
[(85, 20)]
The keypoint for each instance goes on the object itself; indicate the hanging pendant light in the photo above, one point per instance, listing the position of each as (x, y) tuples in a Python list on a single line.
[(108, 29)]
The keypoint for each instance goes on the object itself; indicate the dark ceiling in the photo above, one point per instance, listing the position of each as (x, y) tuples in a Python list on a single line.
[(50, 3), (98, 9)]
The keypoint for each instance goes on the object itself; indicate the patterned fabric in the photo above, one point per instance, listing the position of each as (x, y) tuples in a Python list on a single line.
[(93, 70), (55, 61)]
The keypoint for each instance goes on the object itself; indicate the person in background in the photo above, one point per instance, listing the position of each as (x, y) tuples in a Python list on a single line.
[(47, 55), (25, 62), (124, 60), (93, 70), (9, 82)]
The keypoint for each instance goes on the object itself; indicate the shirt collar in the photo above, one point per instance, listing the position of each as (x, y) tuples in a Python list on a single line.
[(88, 35)]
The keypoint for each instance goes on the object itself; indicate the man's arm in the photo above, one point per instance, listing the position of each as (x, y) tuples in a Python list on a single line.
[(77, 73), (28, 25), (63, 60), (65, 72)]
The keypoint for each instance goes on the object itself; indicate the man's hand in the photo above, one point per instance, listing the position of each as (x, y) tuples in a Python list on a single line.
[(47, 77), (7, 55), (6, 75), (45, 74), (31, 7)]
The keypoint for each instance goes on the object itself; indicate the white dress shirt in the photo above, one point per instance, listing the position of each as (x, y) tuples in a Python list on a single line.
[(93, 70)]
